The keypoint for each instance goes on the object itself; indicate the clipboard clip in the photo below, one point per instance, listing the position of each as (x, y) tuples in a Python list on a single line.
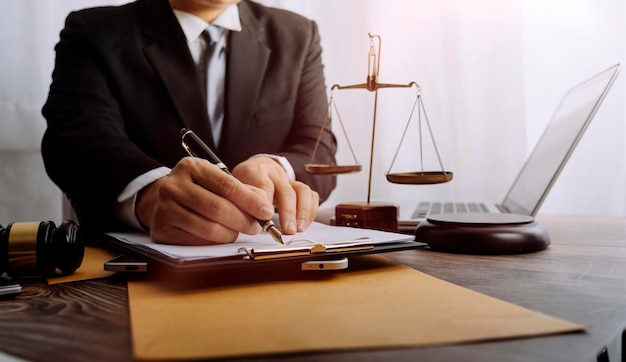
[(304, 247)]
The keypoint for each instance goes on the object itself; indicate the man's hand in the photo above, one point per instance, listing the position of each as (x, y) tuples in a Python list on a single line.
[(199, 204), (296, 203)]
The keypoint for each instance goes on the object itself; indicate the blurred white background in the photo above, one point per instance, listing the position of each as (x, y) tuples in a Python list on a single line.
[(492, 73)]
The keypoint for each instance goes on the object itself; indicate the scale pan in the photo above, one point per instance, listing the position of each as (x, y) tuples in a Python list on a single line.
[(423, 177), (319, 169)]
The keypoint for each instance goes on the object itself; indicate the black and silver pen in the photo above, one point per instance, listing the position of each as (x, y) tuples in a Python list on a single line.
[(195, 147)]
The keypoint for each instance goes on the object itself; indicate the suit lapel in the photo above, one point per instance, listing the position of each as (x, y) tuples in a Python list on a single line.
[(248, 57), (170, 56)]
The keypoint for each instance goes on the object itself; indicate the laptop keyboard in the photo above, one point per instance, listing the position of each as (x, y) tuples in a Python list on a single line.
[(426, 208)]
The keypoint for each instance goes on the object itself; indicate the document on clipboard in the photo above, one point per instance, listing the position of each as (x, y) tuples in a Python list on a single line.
[(319, 241)]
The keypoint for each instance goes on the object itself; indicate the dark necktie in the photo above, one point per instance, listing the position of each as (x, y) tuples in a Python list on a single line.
[(214, 73)]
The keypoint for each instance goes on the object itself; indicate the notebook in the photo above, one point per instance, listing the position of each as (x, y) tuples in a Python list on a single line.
[(540, 171)]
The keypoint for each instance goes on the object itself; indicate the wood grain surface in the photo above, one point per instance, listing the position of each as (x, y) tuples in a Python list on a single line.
[(79, 321), (581, 277)]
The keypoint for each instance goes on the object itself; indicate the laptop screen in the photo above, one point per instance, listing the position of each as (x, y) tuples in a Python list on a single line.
[(557, 143)]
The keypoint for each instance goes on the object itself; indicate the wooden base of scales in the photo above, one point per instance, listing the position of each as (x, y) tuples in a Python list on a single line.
[(368, 215)]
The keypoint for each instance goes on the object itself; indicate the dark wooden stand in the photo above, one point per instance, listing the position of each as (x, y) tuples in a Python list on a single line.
[(368, 215)]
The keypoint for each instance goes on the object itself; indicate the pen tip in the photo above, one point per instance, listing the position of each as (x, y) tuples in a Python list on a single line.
[(276, 234)]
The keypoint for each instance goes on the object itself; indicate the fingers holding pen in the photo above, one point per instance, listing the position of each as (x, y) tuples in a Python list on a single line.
[(176, 224), (297, 204), (198, 204), (246, 198), (307, 205)]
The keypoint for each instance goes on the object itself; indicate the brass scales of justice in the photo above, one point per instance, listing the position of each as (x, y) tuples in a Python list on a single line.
[(382, 216)]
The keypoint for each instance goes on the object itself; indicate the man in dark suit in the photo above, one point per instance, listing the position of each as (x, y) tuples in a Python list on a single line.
[(126, 81)]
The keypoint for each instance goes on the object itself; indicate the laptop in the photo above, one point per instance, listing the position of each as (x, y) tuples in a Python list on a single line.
[(543, 166)]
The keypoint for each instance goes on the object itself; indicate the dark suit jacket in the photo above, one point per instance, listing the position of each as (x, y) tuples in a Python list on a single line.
[(124, 84)]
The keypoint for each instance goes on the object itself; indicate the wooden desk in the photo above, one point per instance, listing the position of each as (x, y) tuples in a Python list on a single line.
[(581, 278)]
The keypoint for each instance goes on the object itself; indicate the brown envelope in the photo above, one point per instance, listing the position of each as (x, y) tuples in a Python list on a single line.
[(376, 303)]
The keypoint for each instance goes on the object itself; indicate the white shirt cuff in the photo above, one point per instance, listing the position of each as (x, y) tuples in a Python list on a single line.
[(125, 207)]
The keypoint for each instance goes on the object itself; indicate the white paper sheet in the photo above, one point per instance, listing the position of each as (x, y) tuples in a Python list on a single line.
[(318, 232)]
